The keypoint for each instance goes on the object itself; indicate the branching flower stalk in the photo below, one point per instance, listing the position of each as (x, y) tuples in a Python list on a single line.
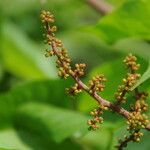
[(136, 119)]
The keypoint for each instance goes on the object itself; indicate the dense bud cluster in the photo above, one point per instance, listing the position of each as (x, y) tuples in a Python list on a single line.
[(63, 60), (93, 123), (97, 84), (63, 63), (46, 16), (52, 38), (74, 89), (141, 105), (134, 137), (137, 121), (79, 69), (130, 62), (49, 53), (137, 136), (129, 81)]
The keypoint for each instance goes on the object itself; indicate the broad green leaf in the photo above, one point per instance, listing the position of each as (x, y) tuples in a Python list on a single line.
[(21, 57), (98, 140), (131, 19), (39, 142), (144, 77), (46, 91), (9, 139), (17, 139), (52, 122), (135, 46), (86, 47), (101, 139)]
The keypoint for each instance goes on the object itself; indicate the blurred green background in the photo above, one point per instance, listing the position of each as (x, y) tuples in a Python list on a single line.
[(35, 111)]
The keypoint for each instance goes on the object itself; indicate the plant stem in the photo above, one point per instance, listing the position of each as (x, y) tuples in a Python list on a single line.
[(84, 87), (99, 99), (100, 6)]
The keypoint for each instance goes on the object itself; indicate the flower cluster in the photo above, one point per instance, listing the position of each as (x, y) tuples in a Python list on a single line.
[(137, 121), (49, 53), (79, 69), (141, 105), (129, 81), (93, 123), (46, 16), (63, 63), (130, 62), (97, 84), (63, 60), (51, 38), (74, 89), (137, 136)]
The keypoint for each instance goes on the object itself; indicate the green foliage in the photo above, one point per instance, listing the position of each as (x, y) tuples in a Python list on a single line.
[(13, 107), (14, 140), (32, 92), (54, 123), (127, 21), (144, 77), (23, 140), (135, 24), (22, 57)]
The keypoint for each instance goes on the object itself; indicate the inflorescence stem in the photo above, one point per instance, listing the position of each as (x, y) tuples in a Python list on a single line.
[(55, 43), (99, 99)]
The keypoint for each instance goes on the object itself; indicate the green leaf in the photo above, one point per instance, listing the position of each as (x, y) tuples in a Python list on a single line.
[(144, 77), (17, 139), (98, 140), (46, 91), (22, 57), (131, 19), (39, 142), (135, 46), (102, 139), (9, 139), (51, 122)]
